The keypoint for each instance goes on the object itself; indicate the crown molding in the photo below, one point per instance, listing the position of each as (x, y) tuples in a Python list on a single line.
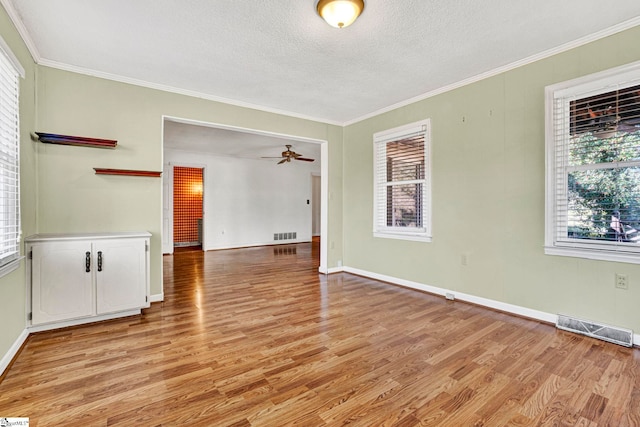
[(17, 21), (38, 59), (179, 91), (22, 30), (529, 60)]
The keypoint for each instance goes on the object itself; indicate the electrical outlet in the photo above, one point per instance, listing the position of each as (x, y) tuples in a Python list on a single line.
[(622, 281), (464, 259)]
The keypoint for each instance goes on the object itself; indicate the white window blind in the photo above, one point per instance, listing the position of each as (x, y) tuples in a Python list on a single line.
[(593, 169), (9, 162), (401, 182)]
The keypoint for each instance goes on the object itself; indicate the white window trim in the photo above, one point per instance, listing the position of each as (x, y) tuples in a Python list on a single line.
[(6, 52), (401, 233), (10, 266), (597, 83)]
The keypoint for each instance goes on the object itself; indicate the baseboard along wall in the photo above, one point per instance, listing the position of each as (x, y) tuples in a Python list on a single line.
[(447, 293)]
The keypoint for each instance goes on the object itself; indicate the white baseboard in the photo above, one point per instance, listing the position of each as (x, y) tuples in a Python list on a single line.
[(13, 350), (485, 302), (336, 270), (253, 245), (157, 297)]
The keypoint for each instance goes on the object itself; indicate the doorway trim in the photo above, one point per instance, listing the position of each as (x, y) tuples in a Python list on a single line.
[(324, 168)]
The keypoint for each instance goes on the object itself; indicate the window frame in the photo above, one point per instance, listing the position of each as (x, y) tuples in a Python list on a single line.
[(14, 70), (381, 230), (559, 96)]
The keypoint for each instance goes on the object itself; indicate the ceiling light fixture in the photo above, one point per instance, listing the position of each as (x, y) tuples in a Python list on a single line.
[(340, 13)]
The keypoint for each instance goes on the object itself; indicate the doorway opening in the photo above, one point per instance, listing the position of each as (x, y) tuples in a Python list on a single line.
[(187, 207), (224, 150)]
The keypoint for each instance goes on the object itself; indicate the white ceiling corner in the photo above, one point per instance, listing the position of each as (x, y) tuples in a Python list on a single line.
[(22, 30)]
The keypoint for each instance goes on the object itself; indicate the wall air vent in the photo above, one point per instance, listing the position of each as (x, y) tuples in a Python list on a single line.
[(285, 236), (611, 334)]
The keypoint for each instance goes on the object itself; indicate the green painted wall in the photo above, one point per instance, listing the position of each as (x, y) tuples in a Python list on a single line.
[(488, 195), (71, 198), (61, 193), (12, 286), (488, 181)]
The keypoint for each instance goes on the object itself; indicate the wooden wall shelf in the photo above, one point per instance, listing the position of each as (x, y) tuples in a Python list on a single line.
[(127, 172), (51, 138)]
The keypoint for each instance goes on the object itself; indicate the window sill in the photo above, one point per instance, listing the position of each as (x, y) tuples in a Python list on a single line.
[(11, 266), (600, 255), (399, 236)]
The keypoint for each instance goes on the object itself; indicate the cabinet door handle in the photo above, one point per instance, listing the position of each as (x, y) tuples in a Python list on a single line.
[(87, 262), (99, 260)]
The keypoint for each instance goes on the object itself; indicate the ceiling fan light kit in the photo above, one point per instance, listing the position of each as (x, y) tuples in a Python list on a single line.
[(340, 13)]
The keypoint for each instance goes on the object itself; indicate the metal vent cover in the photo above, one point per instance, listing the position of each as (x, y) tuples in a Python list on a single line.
[(285, 236), (592, 329)]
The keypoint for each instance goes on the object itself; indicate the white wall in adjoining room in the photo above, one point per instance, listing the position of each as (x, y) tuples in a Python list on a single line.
[(246, 201)]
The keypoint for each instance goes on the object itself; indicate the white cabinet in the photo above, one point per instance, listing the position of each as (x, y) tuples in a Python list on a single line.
[(61, 289), (87, 277), (120, 274)]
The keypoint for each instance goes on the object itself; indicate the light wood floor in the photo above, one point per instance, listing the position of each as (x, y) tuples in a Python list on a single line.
[(256, 337)]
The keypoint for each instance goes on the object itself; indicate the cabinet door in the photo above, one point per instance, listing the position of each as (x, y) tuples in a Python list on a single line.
[(61, 287), (120, 274)]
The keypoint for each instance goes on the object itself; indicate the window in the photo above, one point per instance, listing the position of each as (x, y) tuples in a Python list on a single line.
[(593, 166), (402, 188), (9, 161)]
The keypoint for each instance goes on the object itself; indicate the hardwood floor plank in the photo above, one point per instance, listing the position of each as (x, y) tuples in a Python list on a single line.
[(594, 407), (256, 337)]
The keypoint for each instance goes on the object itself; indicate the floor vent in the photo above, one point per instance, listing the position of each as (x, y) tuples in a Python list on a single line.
[(285, 236), (596, 330)]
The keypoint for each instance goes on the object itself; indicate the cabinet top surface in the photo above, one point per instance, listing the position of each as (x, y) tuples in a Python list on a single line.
[(85, 236)]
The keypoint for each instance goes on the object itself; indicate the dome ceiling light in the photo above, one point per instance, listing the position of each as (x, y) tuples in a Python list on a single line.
[(340, 13)]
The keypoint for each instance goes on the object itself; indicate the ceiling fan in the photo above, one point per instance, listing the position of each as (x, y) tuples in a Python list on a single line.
[(288, 155)]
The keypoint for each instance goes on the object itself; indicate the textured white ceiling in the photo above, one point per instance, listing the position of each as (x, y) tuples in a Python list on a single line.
[(279, 55)]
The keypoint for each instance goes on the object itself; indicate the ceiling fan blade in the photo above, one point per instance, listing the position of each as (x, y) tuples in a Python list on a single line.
[(288, 155)]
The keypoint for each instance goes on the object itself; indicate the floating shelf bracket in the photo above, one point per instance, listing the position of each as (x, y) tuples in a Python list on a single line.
[(127, 172), (51, 138)]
